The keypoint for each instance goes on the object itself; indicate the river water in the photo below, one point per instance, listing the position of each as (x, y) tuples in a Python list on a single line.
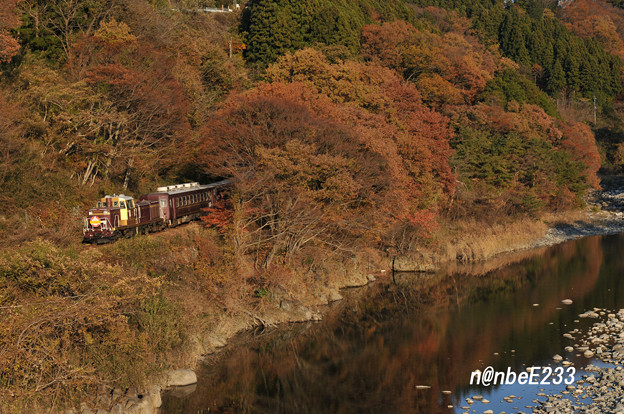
[(375, 347)]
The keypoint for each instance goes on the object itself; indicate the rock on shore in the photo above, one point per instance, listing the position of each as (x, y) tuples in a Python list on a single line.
[(602, 390), (180, 378), (133, 401)]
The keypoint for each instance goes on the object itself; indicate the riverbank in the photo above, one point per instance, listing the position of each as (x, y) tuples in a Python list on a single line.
[(502, 248), (476, 245), (428, 329), (207, 303), (478, 242)]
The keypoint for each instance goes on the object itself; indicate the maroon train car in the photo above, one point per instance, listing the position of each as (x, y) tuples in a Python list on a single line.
[(119, 216), (182, 203)]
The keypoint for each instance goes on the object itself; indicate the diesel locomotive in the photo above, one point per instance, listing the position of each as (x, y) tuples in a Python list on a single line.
[(119, 216)]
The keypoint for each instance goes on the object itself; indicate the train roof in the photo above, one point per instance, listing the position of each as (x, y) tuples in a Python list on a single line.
[(122, 196), (189, 187)]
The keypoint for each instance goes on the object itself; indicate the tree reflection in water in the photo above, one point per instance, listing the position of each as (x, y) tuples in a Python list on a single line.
[(372, 350)]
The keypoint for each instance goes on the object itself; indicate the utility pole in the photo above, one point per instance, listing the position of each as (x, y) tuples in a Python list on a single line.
[(594, 110)]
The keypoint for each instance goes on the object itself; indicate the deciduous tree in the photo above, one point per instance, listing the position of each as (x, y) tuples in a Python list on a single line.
[(9, 20)]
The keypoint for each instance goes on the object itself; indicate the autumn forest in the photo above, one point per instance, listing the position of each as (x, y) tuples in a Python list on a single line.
[(376, 126)]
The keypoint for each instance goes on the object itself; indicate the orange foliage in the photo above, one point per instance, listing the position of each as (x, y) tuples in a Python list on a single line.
[(142, 107), (579, 140), (219, 215), (8, 20), (421, 135), (597, 19), (328, 150), (447, 66)]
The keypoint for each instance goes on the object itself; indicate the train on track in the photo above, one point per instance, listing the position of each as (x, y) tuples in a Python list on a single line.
[(119, 216)]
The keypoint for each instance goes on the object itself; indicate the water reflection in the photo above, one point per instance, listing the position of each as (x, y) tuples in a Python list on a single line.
[(369, 354)]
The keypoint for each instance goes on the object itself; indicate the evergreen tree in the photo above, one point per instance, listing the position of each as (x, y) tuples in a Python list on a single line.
[(271, 28), (556, 78)]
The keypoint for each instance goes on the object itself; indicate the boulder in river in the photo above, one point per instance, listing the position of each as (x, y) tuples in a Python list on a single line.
[(181, 377), (589, 314)]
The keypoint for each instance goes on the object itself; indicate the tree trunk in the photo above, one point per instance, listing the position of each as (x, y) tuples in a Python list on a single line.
[(128, 169)]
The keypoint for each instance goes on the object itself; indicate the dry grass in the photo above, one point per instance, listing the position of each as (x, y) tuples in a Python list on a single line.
[(473, 241)]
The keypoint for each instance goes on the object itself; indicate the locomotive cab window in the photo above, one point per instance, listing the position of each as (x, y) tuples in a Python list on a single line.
[(130, 204), (122, 204), (163, 202), (115, 203)]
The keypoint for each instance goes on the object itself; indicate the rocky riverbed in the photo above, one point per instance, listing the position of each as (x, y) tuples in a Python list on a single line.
[(602, 389)]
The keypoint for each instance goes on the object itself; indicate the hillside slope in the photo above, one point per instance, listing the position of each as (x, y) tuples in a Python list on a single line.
[(357, 132)]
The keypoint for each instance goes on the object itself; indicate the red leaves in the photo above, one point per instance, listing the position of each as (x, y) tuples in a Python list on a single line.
[(150, 104), (425, 220), (8, 47), (330, 150), (8, 20), (599, 20), (112, 74), (451, 68), (578, 140), (219, 215)]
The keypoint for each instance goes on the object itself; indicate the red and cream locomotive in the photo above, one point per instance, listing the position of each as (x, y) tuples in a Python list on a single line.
[(119, 216)]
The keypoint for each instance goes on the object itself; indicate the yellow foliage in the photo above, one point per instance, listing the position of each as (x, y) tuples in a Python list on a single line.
[(115, 32)]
